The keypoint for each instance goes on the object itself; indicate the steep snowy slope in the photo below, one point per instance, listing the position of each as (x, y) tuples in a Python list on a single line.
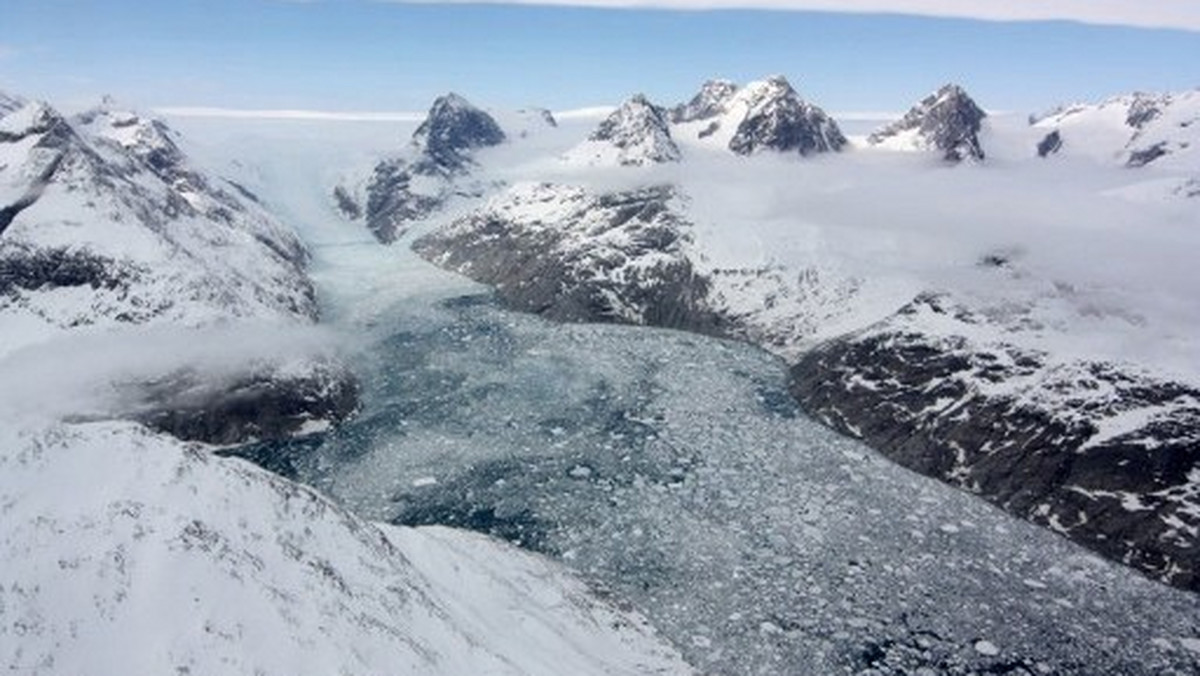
[(103, 222), (126, 553), (1136, 130)]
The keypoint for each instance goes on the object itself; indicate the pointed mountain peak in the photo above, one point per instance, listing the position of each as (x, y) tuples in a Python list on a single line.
[(947, 121), (636, 134), (776, 118), (709, 102), (452, 128)]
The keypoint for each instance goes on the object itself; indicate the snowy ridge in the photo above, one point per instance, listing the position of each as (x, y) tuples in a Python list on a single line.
[(1136, 130), (947, 121), (181, 562), (636, 134)]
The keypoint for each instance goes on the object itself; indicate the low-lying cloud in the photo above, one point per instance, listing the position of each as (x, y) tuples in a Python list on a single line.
[(1178, 14)]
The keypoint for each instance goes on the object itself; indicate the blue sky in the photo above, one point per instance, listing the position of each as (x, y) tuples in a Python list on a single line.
[(369, 55)]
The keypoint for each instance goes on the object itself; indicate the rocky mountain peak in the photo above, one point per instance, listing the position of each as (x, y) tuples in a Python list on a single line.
[(639, 133), (1145, 108), (709, 102), (947, 120), (149, 140), (776, 118), (452, 128)]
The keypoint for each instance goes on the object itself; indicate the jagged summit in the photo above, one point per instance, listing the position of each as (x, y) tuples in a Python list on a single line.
[(947, 121), (635, 134), (709, 102), (453, 127), (776, 118)]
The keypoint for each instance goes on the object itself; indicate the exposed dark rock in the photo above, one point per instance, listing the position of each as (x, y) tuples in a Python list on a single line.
[(443, 145), (1144, 156), (1051, 144), (392, 203), (346, 204), (254, 407), (923, 400), (452, 128), (23, 268), (778, 119), (555, 271), (1143, 110), (709, 102), (948, 121)]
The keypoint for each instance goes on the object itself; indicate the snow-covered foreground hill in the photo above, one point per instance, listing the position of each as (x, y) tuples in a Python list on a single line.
[(123, 552)]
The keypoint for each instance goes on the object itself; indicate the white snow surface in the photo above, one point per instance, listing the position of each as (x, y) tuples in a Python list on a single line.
[(127, 553), (175, 246), (1111, 130)]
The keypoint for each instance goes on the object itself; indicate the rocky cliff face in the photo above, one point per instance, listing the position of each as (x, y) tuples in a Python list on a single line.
[(636, 134), (947, 121), (777, 119), (1100, 452), (571, 255), (450, 131), (415, 184)]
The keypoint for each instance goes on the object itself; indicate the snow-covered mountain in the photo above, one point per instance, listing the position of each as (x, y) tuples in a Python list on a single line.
[(636, 134), (104, 223), (1135, 130), (947, 121), (953, 322), (766, 115), (108, 229), (432, 170), (1103, 452), (125, 552)]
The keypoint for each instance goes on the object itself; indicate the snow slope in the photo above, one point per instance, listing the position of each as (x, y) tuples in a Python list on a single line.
[(124, 552), (106, 223)]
